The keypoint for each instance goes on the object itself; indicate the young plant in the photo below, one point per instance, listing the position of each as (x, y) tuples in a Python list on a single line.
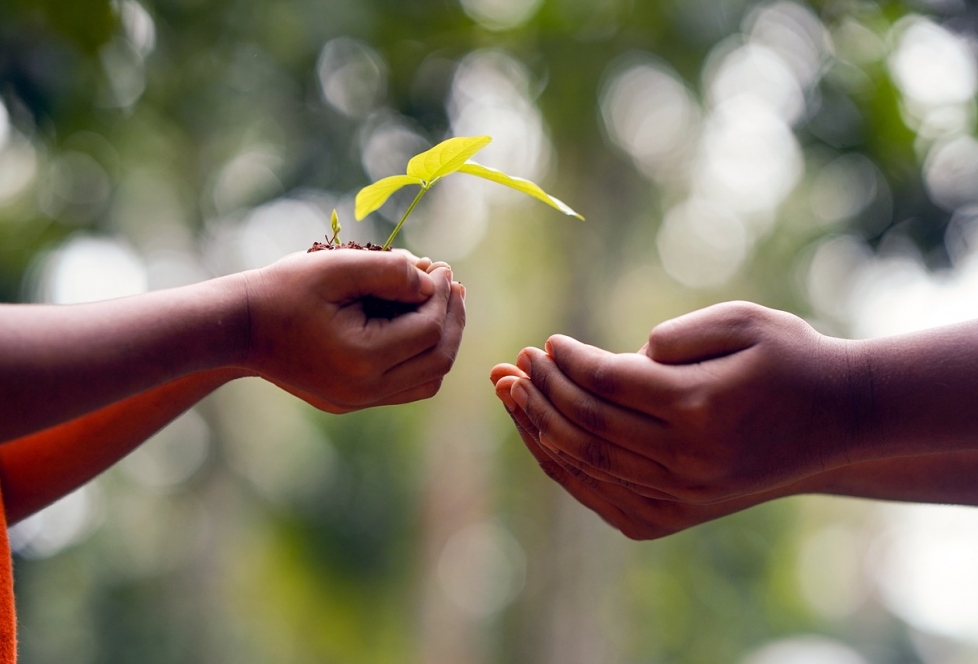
[(427, 168), (334, 221)]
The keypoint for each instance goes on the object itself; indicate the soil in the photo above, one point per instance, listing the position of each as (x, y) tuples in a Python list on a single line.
[(373, 307)]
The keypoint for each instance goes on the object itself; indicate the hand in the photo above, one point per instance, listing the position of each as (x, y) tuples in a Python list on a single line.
[(637, 515), (724, 403), (310, 336)]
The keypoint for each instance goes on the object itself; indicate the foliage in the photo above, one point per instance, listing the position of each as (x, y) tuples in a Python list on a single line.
[(425, 169)]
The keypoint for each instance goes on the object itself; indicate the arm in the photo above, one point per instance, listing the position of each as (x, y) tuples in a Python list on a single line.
[(737, 404), (737, 399), (298, 323), (640, 513)]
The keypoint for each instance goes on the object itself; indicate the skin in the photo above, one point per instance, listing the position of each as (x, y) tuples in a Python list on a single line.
[(83, 385), (735, 405)]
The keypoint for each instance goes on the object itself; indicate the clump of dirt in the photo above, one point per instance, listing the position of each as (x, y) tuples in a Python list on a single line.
[(323, 246), (373, 307)]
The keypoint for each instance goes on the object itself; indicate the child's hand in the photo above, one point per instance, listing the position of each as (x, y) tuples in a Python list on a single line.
[(309, 333), (723, 403)]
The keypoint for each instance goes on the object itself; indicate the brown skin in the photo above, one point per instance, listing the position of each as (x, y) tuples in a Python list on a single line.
[(735, 405), (81, 386)]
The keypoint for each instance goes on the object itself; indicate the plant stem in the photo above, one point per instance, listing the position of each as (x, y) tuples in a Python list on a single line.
[(411, 207)]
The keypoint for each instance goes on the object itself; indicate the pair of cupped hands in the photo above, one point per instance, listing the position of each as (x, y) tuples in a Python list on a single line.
[(720, 410)]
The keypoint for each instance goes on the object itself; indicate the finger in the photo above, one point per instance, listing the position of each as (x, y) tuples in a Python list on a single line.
[(576, 487), (625, 426), (423, 263), (438, 360), (702, 335), (629, 380), (640, 436), (503, 370), (590, 451), (382, 274), (393, 342), (438, 264)]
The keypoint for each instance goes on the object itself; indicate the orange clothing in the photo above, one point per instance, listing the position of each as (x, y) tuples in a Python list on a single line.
[(8, 615)]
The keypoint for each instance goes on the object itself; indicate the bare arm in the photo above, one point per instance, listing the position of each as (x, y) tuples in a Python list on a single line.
[(736, 405), (60, 362), (642, 514), (298, 323)]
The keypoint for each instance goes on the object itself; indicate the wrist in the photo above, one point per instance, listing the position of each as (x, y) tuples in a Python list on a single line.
[(854, 427), (233, 316)]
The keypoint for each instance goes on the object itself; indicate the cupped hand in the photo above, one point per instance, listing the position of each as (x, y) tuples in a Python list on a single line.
[(630, 509), (724, 403), (309, 333)]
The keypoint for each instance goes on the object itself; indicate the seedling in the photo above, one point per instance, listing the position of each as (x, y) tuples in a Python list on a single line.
[(424, 170), (427, 168), (334, 221)]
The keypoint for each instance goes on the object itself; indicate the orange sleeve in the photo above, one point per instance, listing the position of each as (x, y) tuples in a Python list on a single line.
[(8, 612)]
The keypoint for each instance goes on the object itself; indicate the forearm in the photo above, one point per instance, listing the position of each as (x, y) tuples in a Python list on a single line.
[(951, 477), (38, 469), (60, 362), (916, 393)]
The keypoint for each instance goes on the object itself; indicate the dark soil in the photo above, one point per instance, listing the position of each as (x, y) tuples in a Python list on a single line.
[(373, 307)]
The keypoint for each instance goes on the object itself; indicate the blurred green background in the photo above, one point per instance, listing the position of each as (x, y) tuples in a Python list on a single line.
[(818, 158)]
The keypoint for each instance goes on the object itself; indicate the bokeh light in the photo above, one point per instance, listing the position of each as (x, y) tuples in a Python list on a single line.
[(750, 159), (501, 14), (805, 650), (88, 269), (67, 522), (650, 114), (482, 569), (352, 76), (928, 572), (172, 456), (701, 244)]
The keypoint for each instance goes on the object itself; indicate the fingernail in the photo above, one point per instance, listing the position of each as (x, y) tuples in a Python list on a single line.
[(549, 348), (518, 392), (427, 285), (546, 442), (523, 362), (462, 288)]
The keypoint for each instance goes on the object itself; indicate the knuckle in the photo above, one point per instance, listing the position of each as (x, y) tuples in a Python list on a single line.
[(433, 332), (444, 362), (582, 477), (541, 377), (605, 379), (541, 418), (589, 415), (598, 455), (551, 470), (744, 316)]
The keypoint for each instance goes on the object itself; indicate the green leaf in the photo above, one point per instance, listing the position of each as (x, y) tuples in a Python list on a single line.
[(334, 221), (374, 195), (519, 184), (446, 157)]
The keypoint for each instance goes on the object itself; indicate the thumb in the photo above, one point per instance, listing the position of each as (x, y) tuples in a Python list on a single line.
[(385, 275), (715, 331)]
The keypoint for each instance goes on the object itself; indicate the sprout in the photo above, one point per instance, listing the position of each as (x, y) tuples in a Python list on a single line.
[(427, 168)]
